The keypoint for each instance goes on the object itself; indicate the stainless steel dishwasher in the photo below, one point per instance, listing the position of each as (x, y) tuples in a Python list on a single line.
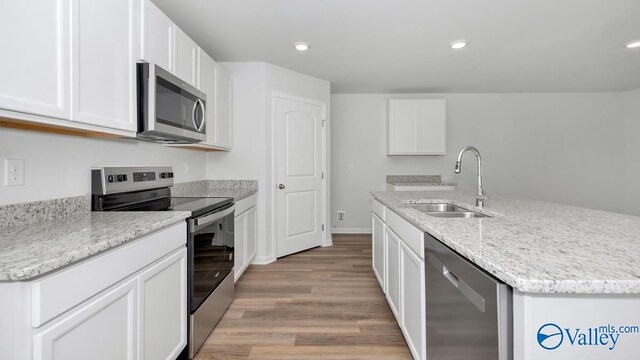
[(469, 312)]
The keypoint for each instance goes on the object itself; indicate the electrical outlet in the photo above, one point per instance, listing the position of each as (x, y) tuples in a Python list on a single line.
[(350, 167), (186, 167), (14, 172), (340, 215)]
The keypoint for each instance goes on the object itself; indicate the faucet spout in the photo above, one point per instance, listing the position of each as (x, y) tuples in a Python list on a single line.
[(481, 196)]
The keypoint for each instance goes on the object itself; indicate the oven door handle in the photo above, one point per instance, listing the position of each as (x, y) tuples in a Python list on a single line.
[(213, 217)]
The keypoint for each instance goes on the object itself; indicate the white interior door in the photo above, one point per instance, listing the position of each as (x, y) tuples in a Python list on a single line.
[(299, 196)]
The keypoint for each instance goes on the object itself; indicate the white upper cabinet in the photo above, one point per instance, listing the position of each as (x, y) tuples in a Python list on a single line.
[(207, 84), (156, 36), (166, 45), (35, 62), (224, 109), (417, 127), (103, 57), (186, 56)]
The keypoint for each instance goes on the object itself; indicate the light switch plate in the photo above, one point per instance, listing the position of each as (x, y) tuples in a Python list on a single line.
[(14, 172)]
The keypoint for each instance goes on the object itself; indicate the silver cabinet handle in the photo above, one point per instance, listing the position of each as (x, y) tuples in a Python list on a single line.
[(281, 186)]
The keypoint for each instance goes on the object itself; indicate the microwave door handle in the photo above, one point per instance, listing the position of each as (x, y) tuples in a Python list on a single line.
[(197, 103)]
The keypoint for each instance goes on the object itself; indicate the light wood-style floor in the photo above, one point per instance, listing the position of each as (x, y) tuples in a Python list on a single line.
[(323, 303)]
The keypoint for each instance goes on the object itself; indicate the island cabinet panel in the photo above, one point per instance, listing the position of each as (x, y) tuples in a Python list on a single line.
[(398, 264), (412, 301), (377, 249), (392, 257), (586, 326)]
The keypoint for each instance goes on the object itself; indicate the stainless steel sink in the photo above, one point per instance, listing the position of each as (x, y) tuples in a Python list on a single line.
[(446, 210), (437, 207), (458, 214)]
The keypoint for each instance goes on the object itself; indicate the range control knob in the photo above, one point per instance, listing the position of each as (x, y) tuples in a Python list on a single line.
[(110, 178)]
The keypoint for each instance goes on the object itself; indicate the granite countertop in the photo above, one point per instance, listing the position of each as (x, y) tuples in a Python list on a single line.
[(236, 189), (32, 250), (535, 246)]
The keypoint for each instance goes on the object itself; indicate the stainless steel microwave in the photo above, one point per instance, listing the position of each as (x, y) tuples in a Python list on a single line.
[(169, 109)]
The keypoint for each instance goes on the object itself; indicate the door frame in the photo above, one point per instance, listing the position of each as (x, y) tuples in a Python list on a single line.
[(326, 240)]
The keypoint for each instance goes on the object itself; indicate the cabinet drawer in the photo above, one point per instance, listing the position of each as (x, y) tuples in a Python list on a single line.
[(378, 209), (61, 291), (410, 235), (246, 204)]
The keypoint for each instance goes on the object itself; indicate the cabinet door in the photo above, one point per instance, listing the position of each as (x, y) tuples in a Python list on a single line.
[(35, 62), (156, 37), (412, 296), (207, 84), (240, 245), (224, 109), (377, 249), (393, 272), (252, 239), (186, 53), (104, 329), (104, 57), (163, 296), (417, 127)]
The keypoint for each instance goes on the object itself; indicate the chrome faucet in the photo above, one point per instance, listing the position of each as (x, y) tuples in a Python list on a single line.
[(480, 197)]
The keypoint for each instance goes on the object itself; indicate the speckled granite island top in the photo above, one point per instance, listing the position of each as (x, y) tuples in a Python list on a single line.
[(535, 246), (31, 250)]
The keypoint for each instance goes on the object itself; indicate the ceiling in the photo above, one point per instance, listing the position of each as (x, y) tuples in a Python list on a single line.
[(370, 46)]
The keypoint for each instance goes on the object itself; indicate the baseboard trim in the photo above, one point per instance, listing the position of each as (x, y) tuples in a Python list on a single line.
[(263, 260), (328, 241), (351, 231)]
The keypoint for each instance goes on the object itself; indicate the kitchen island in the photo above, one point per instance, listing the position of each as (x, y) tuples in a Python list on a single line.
[(574, 272)]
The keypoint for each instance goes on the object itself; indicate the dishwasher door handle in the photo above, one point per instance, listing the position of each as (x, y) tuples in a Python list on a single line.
[(466, 290)]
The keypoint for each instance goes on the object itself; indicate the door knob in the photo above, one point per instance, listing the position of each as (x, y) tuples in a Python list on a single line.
[(281, 186)]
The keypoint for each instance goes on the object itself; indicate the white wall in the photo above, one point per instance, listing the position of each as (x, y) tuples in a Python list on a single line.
[(632, 152), (59, 165), (557, 147), (253, 86)]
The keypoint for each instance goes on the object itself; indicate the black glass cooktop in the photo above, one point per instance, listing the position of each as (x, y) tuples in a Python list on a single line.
[(199, 205)]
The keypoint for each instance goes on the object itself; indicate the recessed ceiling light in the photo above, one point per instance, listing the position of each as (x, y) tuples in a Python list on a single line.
[(301, 46), (633, 44), (458, 44)]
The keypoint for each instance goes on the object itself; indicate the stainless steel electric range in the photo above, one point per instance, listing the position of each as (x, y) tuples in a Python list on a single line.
[(210, 237)]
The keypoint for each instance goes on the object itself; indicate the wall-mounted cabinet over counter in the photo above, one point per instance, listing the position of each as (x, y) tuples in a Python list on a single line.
[(214, 81), (416, 127), (61, 74)]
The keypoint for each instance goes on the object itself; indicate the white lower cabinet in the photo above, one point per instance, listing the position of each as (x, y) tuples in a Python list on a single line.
[(245, 237), (252, 232), (163, 324), (240, 237), (392, 256), (377, 249), (412, 301), (403, 276), (128, 303), (103, 329)]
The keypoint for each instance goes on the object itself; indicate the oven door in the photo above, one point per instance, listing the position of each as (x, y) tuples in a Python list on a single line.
[(211, 253), (170, 110)]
